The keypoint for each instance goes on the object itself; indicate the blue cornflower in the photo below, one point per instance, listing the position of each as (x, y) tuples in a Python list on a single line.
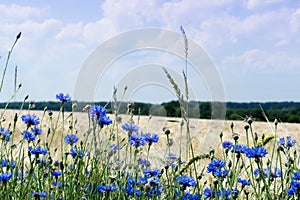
[(63, 98), (28, 136), (296, 176), (115, 147), (151, 173), (36, 131), (225, 194), (38, 150), (207, 193), (130, 191), (295, 184), (186, 181), (243, 182), (5, 134), (137, 140), (221, 173), (266, 172), (71, 139), (240, 148), (101, 188), (97, 111), (8, 163), (30, 120), (151, 138), (288, 143), (75, 153), (153, 181), (215, 165), (276, 174), (5, 177), (104, 120), (39, 195), (57, 183), (227, 145), (281, 142), (56, 173), (235, 192), (256, 152), (263, 172), (154, 191), (143, 180), (144, 162), (130, 128), (291, 191), (111, 187), (189, 196), (130, 181)]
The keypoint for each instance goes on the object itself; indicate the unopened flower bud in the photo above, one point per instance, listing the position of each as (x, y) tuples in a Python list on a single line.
[(74, 106), (16, 117), (235, 136), (211, 152), (50, 113), (86, 108), (249, 120), (167, 131), (18, 36), (255, 136), (280, 148), (229, 164), (231, 125)]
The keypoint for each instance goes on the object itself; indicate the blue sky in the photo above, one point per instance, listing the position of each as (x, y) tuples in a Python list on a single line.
[(253, 44)]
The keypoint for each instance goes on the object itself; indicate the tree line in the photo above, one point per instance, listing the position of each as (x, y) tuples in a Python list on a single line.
[(283, 111)]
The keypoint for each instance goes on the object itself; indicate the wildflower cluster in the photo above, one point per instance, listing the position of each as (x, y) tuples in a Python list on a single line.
[(98, 113), (121, 165)]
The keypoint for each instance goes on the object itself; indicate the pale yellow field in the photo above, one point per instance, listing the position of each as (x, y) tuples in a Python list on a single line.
[(204, 133)]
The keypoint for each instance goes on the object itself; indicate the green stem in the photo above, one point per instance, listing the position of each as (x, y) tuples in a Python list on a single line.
[(7, 60)]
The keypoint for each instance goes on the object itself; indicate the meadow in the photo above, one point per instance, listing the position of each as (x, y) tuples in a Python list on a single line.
[(92, 155)]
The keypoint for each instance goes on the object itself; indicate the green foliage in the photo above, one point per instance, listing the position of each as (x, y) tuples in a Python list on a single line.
[(284, 111)]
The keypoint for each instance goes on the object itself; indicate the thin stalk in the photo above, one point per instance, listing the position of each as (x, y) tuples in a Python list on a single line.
[(7, 60)]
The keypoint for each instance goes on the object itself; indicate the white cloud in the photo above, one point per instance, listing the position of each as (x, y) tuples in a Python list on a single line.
[(258, 61), (255, 4), (295, 21), (70, 32), (281, 43), (16, 12)]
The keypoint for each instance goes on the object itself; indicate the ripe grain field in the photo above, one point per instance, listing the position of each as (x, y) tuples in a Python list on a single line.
[(204, 133)]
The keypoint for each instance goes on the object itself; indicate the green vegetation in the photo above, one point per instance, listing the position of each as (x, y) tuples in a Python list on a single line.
[(283, 111)]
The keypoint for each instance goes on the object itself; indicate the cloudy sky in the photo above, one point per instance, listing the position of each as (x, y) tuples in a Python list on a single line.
[(254, 45)]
